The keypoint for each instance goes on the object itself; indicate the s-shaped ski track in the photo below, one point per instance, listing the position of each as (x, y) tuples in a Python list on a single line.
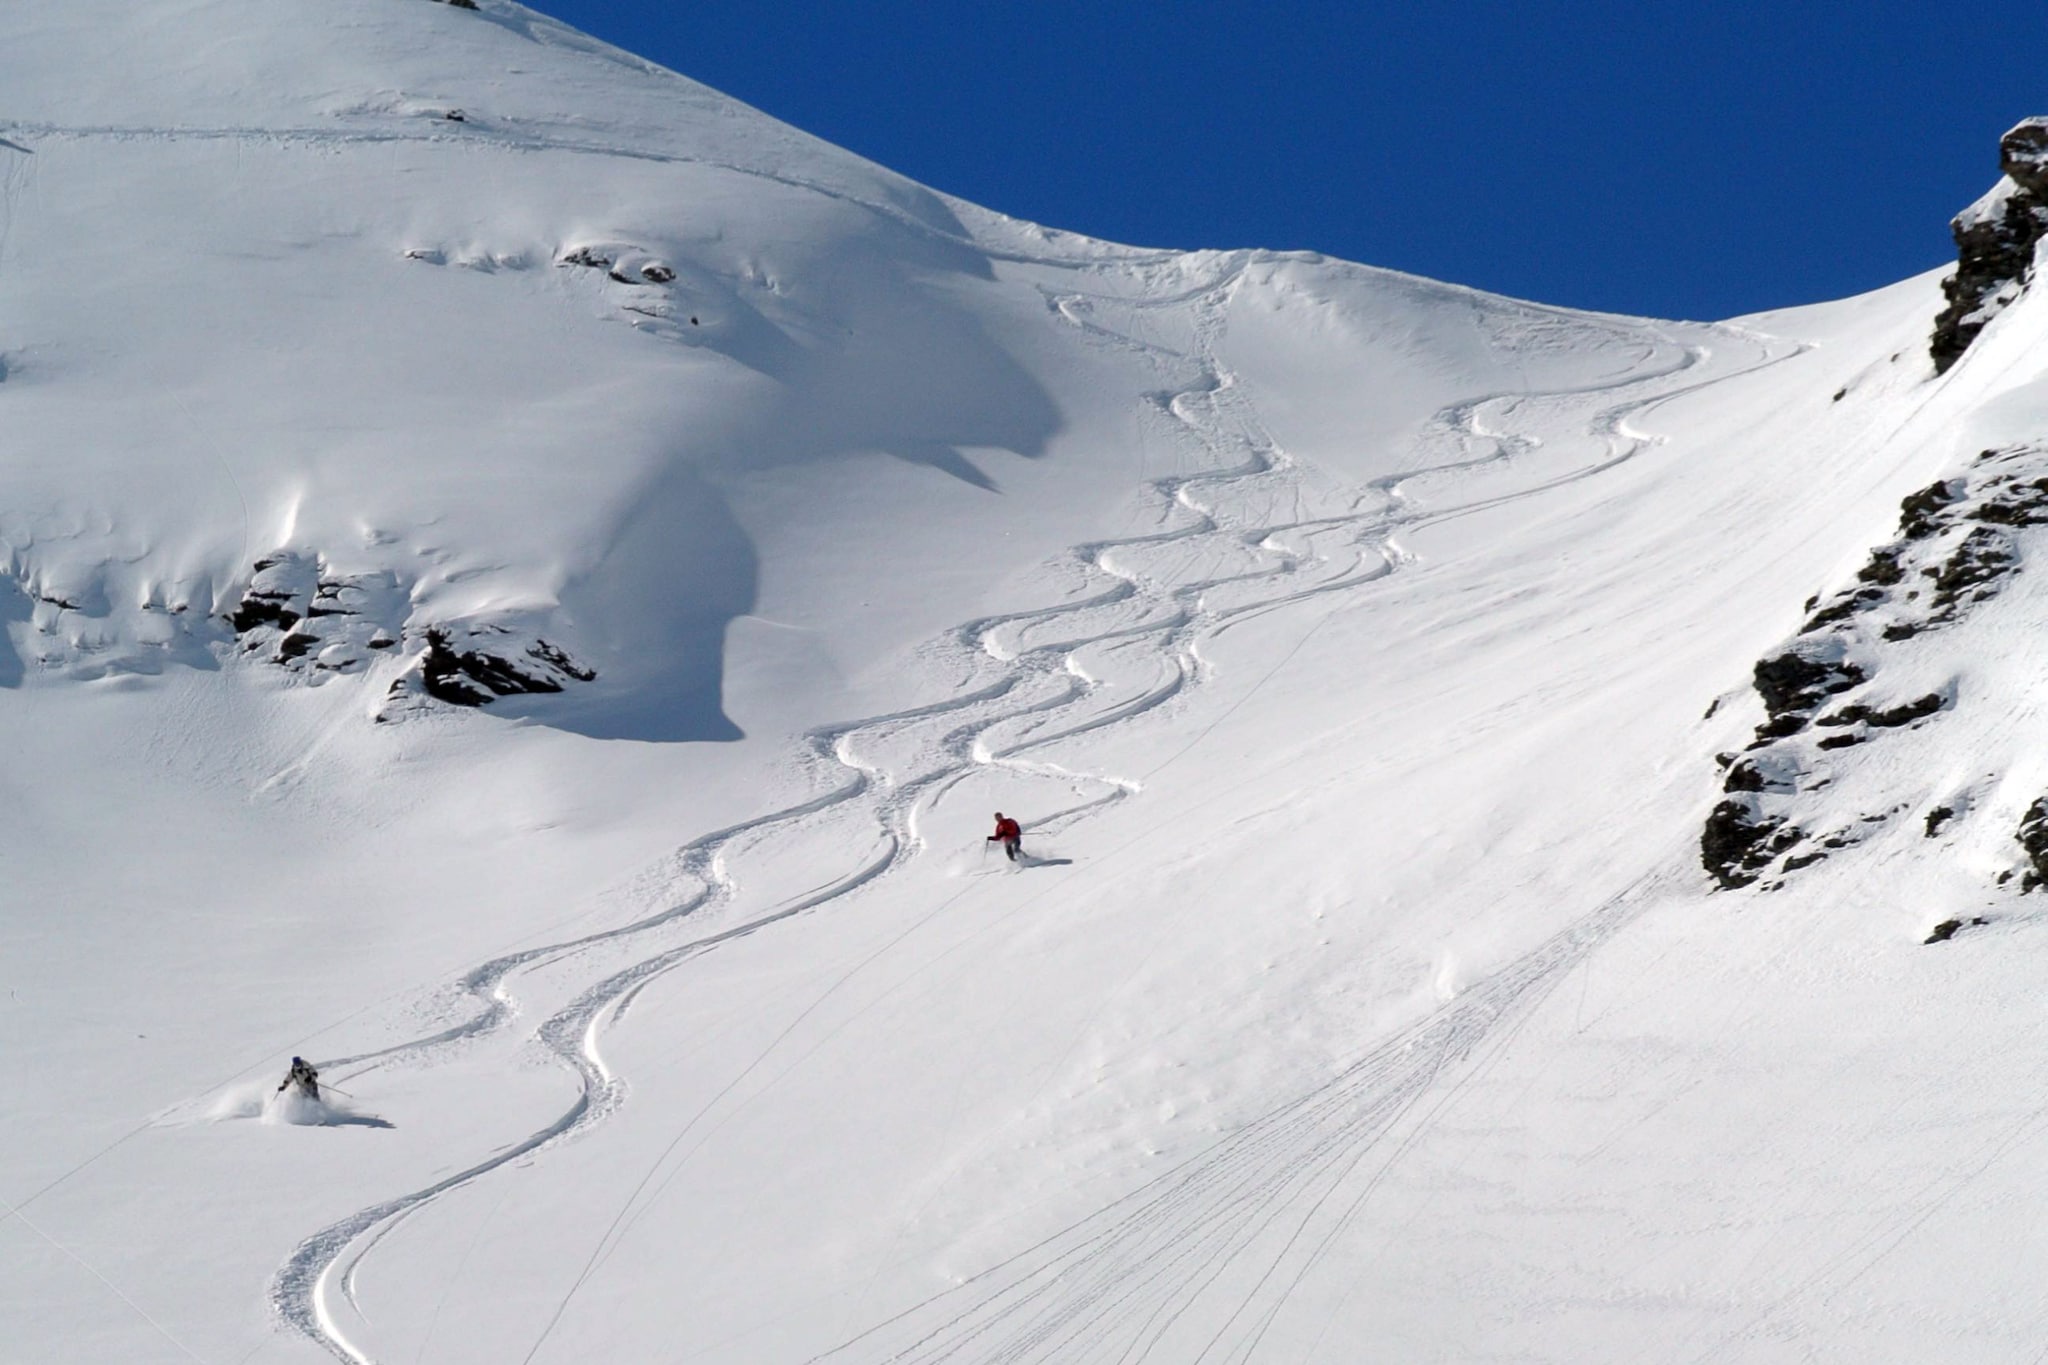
[(1026, 689)]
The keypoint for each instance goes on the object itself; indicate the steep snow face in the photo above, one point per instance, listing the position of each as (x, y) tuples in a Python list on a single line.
[(348, 289), (359, 328), (1889, 716), (1340, 638)]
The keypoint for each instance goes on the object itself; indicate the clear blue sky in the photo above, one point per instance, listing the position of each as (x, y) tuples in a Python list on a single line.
[(1686, 161)]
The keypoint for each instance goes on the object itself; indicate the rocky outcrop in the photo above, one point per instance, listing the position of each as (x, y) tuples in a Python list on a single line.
[(2033, 839), (303, 615), (622, 264), (1740, 840), (1995, 241), (1841, 683), (465, 674)]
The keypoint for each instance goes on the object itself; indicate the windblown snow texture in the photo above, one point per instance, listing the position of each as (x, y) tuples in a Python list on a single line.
[(522, 580)]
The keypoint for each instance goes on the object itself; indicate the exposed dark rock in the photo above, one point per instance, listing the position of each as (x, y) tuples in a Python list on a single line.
[(1903, 714), (316, 622), (1919, 512), (1842, 608), (1890, 717), (2021, 503), (2033, 837), (627, 272), (1883, 569), (259, 609), (328, 599), (297, 608), (475, 677), (458, 676), (1938, 817), (1995, 240), (1800, 678), (1739, 841), (1948, 928), (276, 596), (1794, 863), (1784, 727), (1984, 556), (1745, 776), (556, 658), (1960, 542), (1996, 499)]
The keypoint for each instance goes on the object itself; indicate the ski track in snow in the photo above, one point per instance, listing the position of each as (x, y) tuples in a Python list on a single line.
[(1206, 1254), (1116, 1282)]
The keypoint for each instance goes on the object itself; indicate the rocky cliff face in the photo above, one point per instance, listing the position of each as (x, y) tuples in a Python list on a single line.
[(1875, 714), (1995, 241), (1830, 766)]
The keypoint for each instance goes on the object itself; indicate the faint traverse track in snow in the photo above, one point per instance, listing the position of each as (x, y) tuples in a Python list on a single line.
[(1198, 1262), (1209, 566), (512, 136)]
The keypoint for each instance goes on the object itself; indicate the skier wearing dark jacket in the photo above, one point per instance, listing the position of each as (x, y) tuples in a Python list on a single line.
[(302, 1072), (1009, 834)]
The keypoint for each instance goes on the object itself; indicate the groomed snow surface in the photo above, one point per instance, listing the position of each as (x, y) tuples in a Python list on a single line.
[(1341, 639)]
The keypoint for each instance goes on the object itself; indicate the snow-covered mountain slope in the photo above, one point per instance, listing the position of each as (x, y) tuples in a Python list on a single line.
[(1342, 640)]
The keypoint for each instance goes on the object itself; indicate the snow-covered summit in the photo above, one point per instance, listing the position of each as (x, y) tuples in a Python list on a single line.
[(451, 318), (433, 347)]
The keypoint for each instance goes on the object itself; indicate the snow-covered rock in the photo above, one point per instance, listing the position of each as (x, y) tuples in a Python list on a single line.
[(1996, 239)]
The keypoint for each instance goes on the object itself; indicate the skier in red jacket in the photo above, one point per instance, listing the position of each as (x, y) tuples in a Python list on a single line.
[(1009, 834)]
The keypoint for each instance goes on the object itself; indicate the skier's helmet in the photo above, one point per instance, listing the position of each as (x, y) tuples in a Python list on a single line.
[(298, 1061)]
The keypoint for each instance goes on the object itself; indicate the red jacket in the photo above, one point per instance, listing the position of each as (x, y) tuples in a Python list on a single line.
[(1007, 828)]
